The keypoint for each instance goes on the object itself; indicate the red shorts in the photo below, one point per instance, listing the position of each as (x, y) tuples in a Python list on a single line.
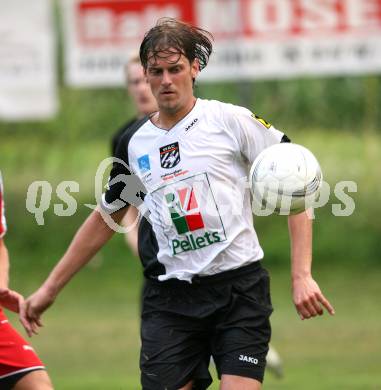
[(16, 355)]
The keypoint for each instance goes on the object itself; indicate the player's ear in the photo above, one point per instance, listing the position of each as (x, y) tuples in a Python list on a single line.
[(195, 68)]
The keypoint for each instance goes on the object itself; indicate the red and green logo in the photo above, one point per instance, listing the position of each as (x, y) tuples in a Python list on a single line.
[(184, 210)]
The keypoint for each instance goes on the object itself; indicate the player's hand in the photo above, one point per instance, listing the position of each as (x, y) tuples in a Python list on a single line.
[(10, 299), (308, 299), (32, 309)]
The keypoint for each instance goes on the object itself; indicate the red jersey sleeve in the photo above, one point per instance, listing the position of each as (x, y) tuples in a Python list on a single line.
[(3, 225)]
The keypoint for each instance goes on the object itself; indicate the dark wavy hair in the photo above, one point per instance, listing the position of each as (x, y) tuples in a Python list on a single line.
[(169, 36)]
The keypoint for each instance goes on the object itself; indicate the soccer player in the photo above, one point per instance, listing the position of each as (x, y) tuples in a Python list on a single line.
[(141, 95), (20, 367), (145, 104), (206, 291)]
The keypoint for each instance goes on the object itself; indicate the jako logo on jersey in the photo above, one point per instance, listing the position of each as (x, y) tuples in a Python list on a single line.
[(192, 124), (170, 155), (248, 359), (186, 217)]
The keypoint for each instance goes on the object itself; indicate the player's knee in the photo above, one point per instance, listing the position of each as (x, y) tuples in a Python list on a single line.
[(234, 382), (188, 386)]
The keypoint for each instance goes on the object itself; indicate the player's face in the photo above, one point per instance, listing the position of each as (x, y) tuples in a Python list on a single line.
[(140, 90), (171, 80)]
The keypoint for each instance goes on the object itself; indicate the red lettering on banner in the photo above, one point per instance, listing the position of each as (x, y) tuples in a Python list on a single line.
[(287, 17), (118, 22), (122, 21), (319, 15)]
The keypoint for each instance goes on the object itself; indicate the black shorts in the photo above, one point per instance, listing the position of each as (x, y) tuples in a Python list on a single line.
[(225, 316), (9, 382)]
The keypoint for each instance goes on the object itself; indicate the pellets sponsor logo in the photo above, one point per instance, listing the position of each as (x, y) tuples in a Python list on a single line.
[(184, 210), (192, 243), (186, 217)]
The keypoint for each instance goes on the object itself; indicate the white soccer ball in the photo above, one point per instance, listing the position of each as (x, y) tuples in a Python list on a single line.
[(285, 178)]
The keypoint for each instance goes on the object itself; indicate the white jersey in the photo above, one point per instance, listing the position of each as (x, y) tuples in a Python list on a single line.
[(195, 179), (3, 224)]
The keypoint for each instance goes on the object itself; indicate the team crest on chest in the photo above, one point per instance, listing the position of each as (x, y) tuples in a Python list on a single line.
[(170, 155)]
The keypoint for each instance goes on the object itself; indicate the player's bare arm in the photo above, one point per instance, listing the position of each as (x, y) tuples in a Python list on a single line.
[(9, 299), (308, 299), (89, 239), (4, 265), (131, 220)]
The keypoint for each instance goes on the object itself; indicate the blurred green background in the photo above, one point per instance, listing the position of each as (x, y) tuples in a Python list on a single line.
[(91, 339)]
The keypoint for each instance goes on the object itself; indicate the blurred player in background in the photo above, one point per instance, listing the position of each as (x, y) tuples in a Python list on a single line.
[(20, 367), (145, 104)]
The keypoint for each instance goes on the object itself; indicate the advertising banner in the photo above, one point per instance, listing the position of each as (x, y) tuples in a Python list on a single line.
[(254, 39), (27, 60)]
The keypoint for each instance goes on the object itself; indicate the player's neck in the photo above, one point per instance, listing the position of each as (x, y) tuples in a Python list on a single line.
[(166, 119)]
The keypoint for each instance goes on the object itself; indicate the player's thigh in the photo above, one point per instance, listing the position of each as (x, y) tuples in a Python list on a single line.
[(175, 345), (173, 353), (188, 386), (243, 330), (34, 380), (20, 367), (233, 382)]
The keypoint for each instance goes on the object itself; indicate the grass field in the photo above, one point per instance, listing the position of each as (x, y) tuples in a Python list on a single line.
[(91, 340)]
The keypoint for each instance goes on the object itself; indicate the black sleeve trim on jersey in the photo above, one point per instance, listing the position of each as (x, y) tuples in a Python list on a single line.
[(124, 188), (285, 139), (148, 249)]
